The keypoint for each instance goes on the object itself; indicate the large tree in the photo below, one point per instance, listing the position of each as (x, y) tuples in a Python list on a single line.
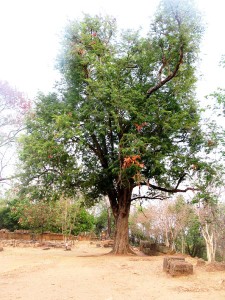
[(125, 113)]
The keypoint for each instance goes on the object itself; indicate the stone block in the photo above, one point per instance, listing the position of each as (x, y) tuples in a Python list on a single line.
[(149, 251), (178, 268), (168, 259)]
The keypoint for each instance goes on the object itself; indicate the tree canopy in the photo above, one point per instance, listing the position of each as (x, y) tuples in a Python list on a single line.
[(124, 114)]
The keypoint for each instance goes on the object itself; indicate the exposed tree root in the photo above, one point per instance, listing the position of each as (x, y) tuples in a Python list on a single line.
[(126, 252)]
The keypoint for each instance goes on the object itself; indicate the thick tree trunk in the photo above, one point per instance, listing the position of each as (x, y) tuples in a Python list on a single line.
[(121, 214), (121, 241)]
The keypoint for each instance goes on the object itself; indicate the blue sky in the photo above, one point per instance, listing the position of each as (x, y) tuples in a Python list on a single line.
[(30, 33)]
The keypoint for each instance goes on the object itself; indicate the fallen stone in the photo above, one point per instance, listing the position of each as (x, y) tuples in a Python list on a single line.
[(108, 243), (168, 259), (149, 251), (164, 249), (147, 244), (178, 268)]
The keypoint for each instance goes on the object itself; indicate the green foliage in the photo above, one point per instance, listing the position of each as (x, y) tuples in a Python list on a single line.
[(104, 221), (195, 245), (217, 106), (105, 109), (7, 219), (47, 161), (36, 216), (101, 222), (64, 216), (84, 222), (124, 112)]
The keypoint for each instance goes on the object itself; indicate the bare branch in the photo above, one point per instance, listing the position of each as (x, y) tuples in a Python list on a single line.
[(172, 191), (156, 197)]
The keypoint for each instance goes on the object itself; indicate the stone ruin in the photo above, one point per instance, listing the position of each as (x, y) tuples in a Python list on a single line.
[(48, 240), (150, 248), (177, 266)]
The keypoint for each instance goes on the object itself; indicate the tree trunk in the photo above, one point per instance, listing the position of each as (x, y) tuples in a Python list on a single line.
[(121, 242), (121, 214), (210, 251), (182, 244), (210, 241), (109, 222)]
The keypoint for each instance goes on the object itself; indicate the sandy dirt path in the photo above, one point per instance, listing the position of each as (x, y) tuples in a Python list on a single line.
[(85, 273)]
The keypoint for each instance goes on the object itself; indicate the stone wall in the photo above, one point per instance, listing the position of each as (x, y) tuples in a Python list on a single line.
[(28, 235)]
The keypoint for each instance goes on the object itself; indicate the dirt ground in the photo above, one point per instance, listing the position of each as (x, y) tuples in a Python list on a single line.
[(86, 273)]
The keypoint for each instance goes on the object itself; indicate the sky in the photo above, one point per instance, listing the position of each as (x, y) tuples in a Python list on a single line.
[(31, 31)]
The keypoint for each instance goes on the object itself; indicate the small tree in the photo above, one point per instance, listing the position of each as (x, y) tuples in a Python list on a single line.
[(66, 211), (72, 217)]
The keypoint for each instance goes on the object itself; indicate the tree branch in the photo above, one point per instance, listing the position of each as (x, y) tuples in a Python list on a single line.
[(170, 76), (157, 197), (98, 151), (180, 180), (172, 191)]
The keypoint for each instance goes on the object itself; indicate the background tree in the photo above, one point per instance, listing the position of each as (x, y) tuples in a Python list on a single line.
[(211, 218), (141, 224), (125, 114), (66, 211), (207, 209), (72, 217), (172, 222), (103, 218), (8, 220), (35, 216), (179, 220), (65, 216), (13, 107), (84, 222), (191, 242), (220, 255)]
